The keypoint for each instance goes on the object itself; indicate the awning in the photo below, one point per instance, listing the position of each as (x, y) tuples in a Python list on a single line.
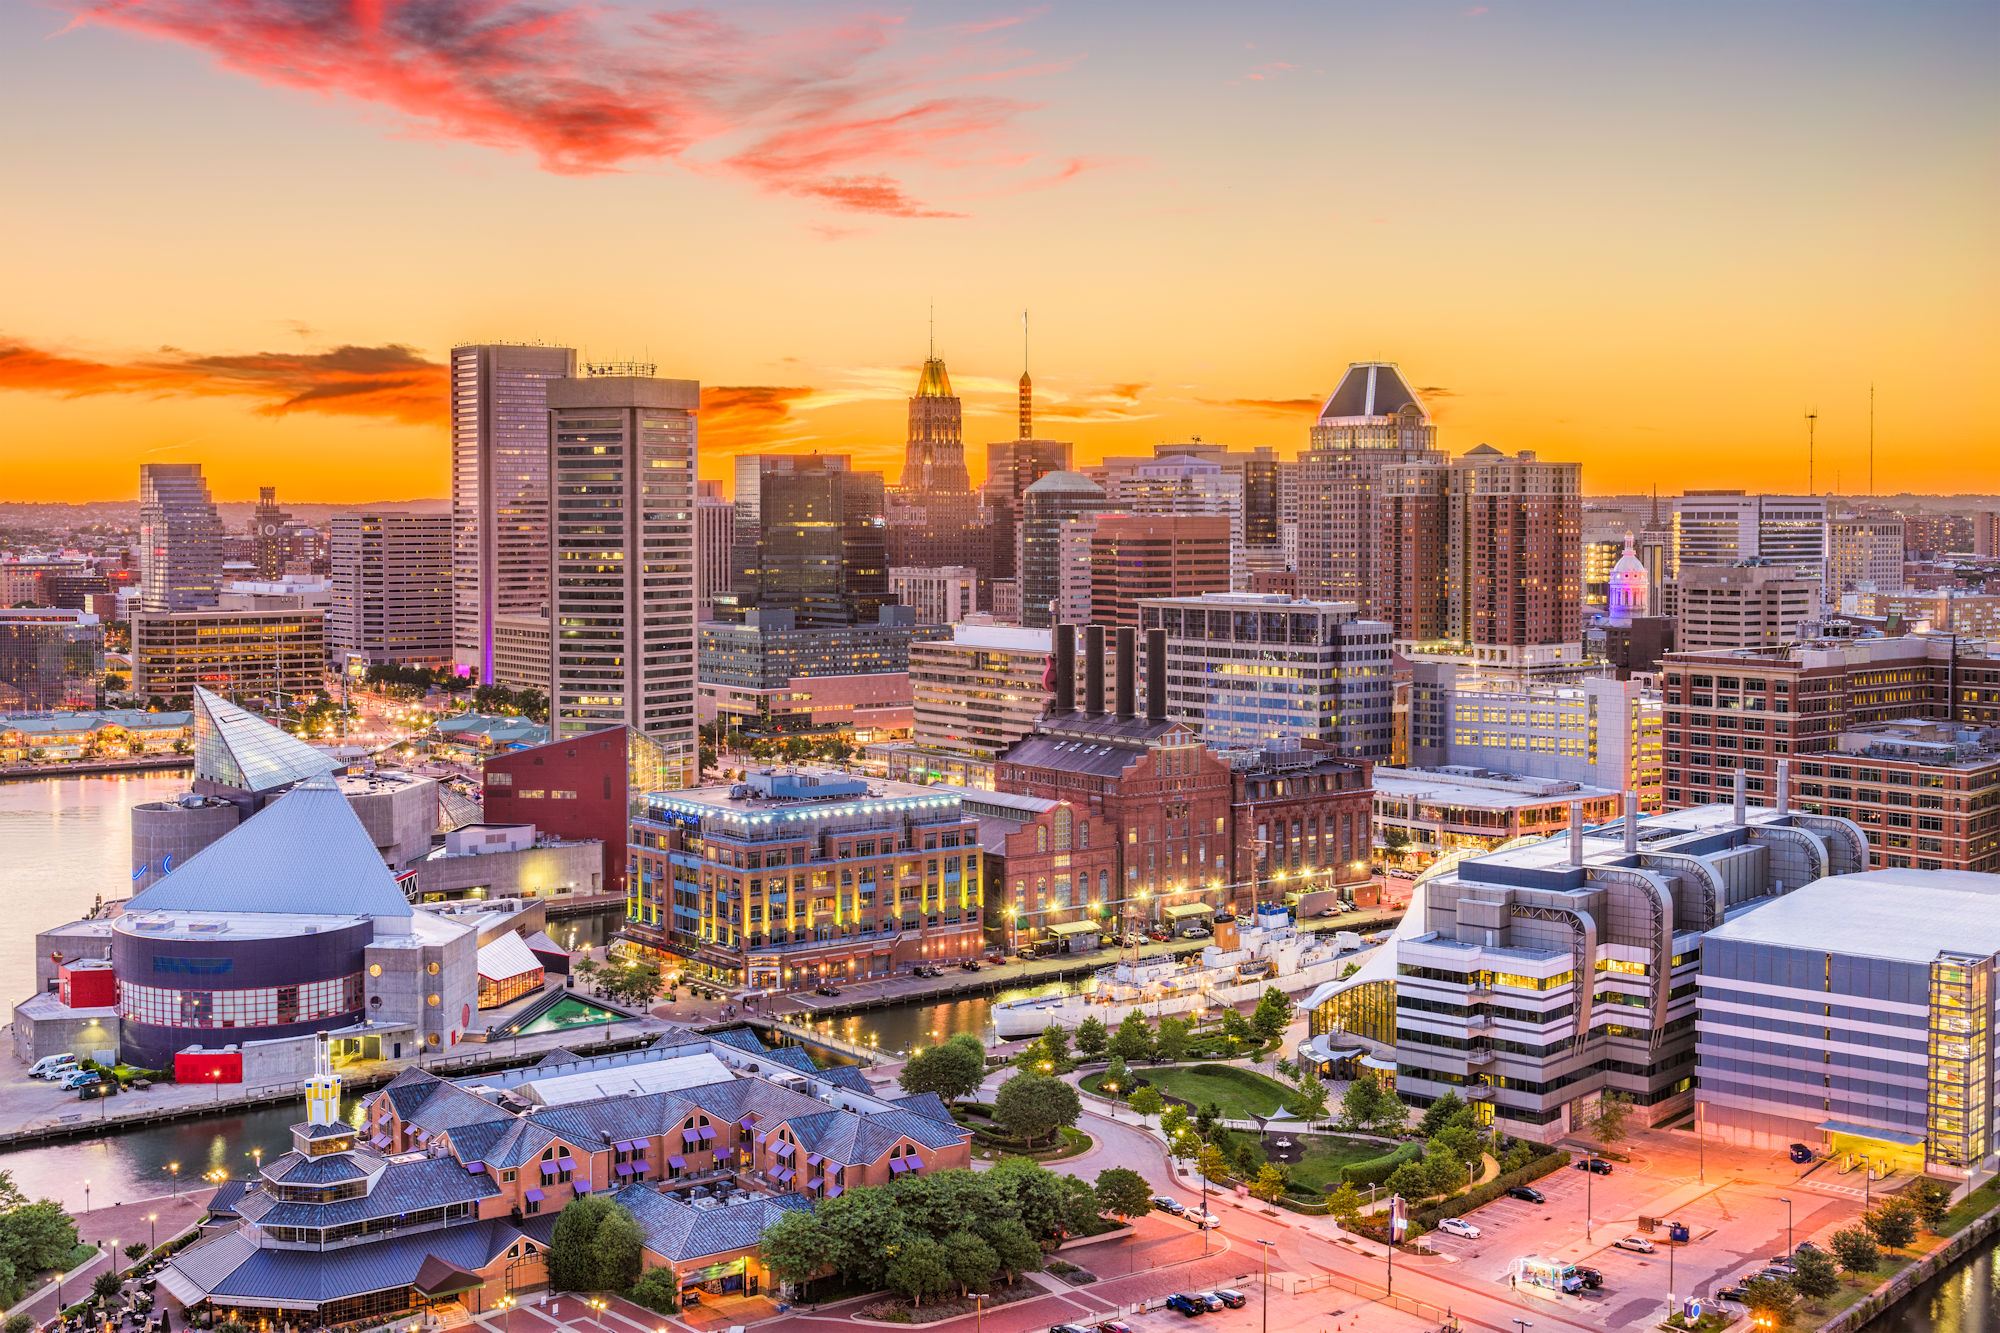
[(549, 1169), (1181, 911), (1872, 1134), (815, 1182), (677, 1163), (624, 1168), (781, 1149), (833, 1192), (782, 1175), (568, 1163), (707, 1132), (747, 1123), (423, 1136), (898, 1165), (639, 1164), (1076, 928), (581, 1186), (814, 1159), (1377, 1062), (629, 1145), (535, 1196), (380, 1140), (438, 1278)]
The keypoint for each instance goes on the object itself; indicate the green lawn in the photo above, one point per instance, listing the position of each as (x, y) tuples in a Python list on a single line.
[(1239, 1093)]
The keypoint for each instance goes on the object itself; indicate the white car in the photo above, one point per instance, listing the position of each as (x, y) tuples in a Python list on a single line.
[(1205, 1221), (1458, 1226), (53, 1066), (1636, 1244)]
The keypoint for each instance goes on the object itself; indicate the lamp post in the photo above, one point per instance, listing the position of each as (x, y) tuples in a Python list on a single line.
[(86, 1198), (1788, 1226), (506, 1307), (1524, 1324), (153, 1220), (1265, 1300), (1589, 1178), (978, 1312), (175, 1167), (1670, 1272)]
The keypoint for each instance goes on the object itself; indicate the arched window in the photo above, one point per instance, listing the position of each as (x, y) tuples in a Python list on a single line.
[(1041, 837)]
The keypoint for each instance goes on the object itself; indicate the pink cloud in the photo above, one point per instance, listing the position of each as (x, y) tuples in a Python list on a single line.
[(817, 112)]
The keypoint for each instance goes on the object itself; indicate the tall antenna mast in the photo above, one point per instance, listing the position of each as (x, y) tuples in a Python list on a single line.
[(1812, 419), (933, 351), (1871, 438), (1027, 403)]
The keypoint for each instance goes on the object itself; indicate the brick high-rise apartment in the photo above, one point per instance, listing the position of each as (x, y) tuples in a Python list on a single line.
[(1372, 421), (499, 490), (622, 465), (1137, 556), (714, 543)]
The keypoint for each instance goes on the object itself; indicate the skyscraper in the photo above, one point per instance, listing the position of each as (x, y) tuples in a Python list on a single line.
[(622, 572), (819, 552), (1514, 573), (180, 539), (1054, 500), (934, 458), (1723, 527), (1136, 556), (392, 593), (1371, 421), (714, 545), (499, 490), (1180, 484)]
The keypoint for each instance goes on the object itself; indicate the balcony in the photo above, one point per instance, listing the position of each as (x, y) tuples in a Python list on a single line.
[(1478, 1092), (1479, 1056)]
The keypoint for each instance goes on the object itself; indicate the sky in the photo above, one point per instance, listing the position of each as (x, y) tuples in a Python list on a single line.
[(1650, 238)]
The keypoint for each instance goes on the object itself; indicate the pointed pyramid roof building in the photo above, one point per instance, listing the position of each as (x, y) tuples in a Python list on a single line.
[(1371, 389), (235, 748), (305, 853), (934, 383)]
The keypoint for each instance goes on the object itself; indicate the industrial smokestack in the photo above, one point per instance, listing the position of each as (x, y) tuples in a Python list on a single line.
[(1093, 671), (1156, 675), (1742, 797), (1576, 833), (1128, 664), (1784, 786), (1065, 700), (1631, 821)]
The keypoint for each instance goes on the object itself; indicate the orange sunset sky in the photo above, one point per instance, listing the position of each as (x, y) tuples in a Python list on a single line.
[(246, 233)]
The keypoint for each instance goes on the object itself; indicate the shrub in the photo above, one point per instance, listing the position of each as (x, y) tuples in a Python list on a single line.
[(658, 1290), (1378, 1169), (1430, 1215)]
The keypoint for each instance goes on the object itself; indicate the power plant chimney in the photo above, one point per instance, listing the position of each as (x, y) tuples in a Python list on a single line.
[(1156, 675), (1093, 671), (1128, 664), (1065, 701)]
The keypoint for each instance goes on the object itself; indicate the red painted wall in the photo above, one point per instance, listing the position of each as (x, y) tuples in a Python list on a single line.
[(89, 987), (593, 767), (209, 1067)]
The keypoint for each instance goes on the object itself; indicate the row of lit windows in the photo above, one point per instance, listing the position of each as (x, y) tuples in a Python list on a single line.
[(266, 1006)]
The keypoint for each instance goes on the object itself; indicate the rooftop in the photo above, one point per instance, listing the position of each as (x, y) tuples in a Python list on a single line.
[(1479, 787), (1900, 915), (233, 747), (1370, 389), (844, 795)]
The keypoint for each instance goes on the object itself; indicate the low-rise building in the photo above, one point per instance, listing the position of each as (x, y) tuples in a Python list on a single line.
[(1422, 813), (489, 860), (43, 736), (940, 596), (269, 653), (1301, 829), (50, 659), (1533, 979), (795, 877), (1750, 604), (1598, 731), (1856, 1015), (1051, 872)]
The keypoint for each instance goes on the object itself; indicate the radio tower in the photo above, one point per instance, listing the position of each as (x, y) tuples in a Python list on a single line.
[(1812, 418), (1871, 439)]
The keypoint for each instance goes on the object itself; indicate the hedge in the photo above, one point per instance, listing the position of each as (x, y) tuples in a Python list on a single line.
[(1429, 1215), (1378, 1169)]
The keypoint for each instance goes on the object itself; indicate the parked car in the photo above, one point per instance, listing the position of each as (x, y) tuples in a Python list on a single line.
[(1114, 1326), (825, 990), (1158, 936), (1458, 1226), (1191, 1306), (969, 965), (1775, 1273), (1206, 1221), (1068, 1328), (1325, 912), (1597, 1166), (1196, 933), (1231, 1297), (76, 1078), (1782, 1264), (1526, 1193), (1636, 1244), (1805, 1245), (1737, 1294), (53, 1066), (1590, 1277), (1801, 1153), (1169, 1205)]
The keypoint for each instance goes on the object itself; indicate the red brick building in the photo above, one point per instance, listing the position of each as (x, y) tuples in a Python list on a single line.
[(1133, 556), (1052, 871), (1301, 822)]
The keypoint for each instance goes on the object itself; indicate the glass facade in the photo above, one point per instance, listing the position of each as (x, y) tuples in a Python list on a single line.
[(267, 1006), (50, 660), (1960, 1085)]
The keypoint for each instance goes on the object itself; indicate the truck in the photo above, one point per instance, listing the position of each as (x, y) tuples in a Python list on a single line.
[(1536, 1276)]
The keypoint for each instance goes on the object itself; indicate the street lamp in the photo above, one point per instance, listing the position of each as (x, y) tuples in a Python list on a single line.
[(1265, 1300), (506, 1307), (86, 1198), (153, 1220), (978, 1312), (1788, 1226), (1589, 1178), (1524, 1324)]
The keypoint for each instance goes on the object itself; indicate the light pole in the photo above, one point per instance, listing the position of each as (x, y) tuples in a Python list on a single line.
[(153, 1220), (1524, 1324), (86, 1198), (1589, 1179), (175, 1167), (1788, 1226), (1265, 1300), (1670, 1271), (506, 1307), (978, 1312)]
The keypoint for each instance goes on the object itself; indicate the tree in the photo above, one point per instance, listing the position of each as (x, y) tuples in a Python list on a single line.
[(1013, 1246), (618, 1251), (1395, 839), (1440, 1113), (972, 1262), (1236, 1029), (1184, 1145), (1893, 1223), (1206, 1118), (1029, 1192), (1034, 1106), (794, 1248), (1148, 1102), (659, 1289), (1247, 1159), (135, 1249), (34, 1237), (1344, 1204), (1269, 1184), (1123, 1191), (1816, 1278), (1770, 1301), (1117, 1078), (1412, 1180), (918, 1268), (1309, 1102), (1359, 1104), (859, 1226), (1079, 1209), (106, 1286), (595, 1247), (18, 1323), (1931, 1199), (1856, 1250), (1133, 1040), (1055, 1044), (1174, 1121), (1391, 1116), (1211, 1163), (1170, 1046), (1273, 1014), (1459, 1141), (1091, 1038), (1608, 1124), (1444, 1171), (953, 1070)]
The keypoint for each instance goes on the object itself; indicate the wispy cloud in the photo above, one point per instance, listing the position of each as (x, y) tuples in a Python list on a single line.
[(1276, 407), (821, 111), (736, 417), (390, 382)]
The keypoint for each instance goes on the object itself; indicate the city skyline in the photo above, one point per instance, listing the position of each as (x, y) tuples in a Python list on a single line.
[(1600, 236)]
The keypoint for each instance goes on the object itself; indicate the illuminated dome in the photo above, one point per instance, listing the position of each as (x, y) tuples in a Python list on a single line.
[(1629, 584)]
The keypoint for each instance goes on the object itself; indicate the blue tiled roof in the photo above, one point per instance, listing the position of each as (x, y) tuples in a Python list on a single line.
[(411, 1089), (849, 1077), (223, 1202), (304, 1278), (294, 1169), (926, 1103), (404, 1187), (743, 1039), (678, 1233)]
